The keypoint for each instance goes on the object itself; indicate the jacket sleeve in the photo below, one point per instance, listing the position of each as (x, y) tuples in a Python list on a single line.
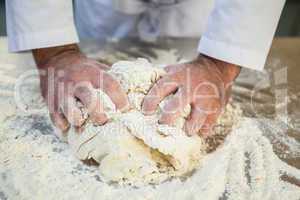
[(37, 24), (241, 31)]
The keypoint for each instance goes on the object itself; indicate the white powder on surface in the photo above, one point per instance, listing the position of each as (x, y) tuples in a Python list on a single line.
[(37, 165)]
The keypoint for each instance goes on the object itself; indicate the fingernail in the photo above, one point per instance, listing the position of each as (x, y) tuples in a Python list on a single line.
[(79, 122), (62, 126), (125, 108), (188, 131), (147, 111), (65, 129), (205, 132), (163, 120), (99, 119), (60, 134), (79, 130)]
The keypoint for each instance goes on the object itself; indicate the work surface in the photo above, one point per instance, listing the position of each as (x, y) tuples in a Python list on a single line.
[(272, 95)]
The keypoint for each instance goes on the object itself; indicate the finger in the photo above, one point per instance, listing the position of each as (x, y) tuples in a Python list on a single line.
[(113, 89), (227, 96), (59, 121), (195, 120), (92, 102), (99, 65), (103, 66), (174, 108), (173, 68), (71, 111), (162, 88), (208, 125)]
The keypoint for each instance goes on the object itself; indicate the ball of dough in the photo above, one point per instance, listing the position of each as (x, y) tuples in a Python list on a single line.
[(132, 148)]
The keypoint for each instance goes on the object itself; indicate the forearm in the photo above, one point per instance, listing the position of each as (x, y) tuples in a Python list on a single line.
[(43, 55)]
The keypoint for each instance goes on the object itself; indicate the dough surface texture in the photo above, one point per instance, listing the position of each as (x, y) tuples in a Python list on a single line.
[(132, 148)]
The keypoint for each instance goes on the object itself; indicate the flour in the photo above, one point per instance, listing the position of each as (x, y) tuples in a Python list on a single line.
[(34, 164)]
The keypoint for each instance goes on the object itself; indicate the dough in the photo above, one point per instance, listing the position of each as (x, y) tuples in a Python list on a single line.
[(132, 148)]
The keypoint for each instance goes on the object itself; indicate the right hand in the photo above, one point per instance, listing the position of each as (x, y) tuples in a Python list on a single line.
[(66, 76)]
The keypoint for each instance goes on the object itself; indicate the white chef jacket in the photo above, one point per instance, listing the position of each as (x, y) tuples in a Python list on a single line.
[(235, 31)]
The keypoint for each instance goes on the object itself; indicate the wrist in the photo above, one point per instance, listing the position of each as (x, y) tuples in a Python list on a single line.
[(44, 55), (229, 71)]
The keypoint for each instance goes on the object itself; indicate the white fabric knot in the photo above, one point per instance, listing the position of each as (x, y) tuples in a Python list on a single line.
[(148, 26)]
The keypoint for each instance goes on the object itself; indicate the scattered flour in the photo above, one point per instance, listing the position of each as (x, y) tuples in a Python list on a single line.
[(37, 165)]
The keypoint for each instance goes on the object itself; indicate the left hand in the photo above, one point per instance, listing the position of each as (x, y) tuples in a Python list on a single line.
[(204, 83)]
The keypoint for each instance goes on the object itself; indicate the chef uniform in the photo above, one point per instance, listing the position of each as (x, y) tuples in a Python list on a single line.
[(236, 31)]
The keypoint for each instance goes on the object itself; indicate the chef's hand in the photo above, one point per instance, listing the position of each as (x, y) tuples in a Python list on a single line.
[(204, 83), (66, 76)]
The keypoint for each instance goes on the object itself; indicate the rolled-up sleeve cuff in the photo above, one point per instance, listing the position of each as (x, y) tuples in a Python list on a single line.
[(232, 54), (43, 39)]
